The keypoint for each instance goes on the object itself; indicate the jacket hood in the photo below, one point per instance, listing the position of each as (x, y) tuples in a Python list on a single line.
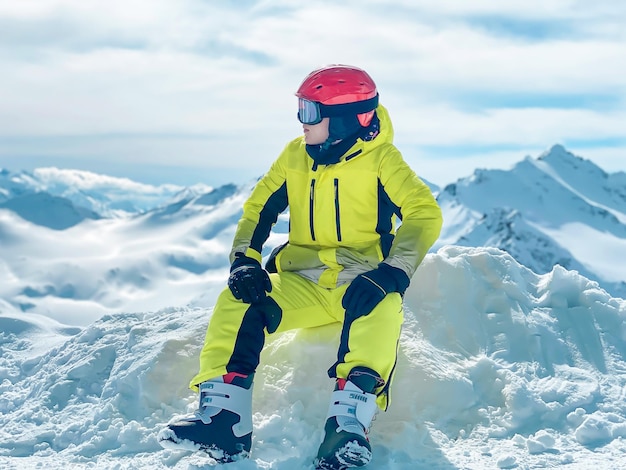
[(386, 128), (384, 136)]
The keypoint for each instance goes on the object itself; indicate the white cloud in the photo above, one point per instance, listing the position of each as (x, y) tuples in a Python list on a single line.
[(530, 126)]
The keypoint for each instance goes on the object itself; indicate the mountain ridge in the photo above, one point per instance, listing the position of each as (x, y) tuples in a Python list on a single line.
[(105, 195), (556, 209), (551, 196)]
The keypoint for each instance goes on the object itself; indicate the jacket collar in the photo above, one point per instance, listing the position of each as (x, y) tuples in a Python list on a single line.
[(353, 145)]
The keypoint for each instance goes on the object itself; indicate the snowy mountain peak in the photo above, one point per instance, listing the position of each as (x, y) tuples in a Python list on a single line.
[(572, 212), (565, 163), (559, 154), (558, 151)]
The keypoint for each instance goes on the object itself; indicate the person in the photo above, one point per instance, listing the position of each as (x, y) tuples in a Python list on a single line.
[(347, 260)]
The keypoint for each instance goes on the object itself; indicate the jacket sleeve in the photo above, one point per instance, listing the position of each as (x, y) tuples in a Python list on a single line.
[(421, 215), (260, 212)]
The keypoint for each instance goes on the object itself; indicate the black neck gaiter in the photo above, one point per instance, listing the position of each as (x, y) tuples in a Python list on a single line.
[(329, 155), (345, 130)]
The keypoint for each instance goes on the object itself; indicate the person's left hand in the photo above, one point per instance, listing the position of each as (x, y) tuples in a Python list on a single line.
[(368, 289)]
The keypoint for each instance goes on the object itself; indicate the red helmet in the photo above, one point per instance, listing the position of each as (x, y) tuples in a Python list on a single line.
[(340, 84)]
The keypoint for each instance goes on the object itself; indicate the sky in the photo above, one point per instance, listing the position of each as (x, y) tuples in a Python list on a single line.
[(202, 91)]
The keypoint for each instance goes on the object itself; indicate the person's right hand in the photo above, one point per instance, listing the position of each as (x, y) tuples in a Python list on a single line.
[(248, 281)]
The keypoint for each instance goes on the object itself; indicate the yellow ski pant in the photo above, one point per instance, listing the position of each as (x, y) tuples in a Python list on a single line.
[(236, 331)]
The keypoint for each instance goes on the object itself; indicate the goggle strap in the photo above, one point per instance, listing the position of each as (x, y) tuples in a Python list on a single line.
[(358, 107)]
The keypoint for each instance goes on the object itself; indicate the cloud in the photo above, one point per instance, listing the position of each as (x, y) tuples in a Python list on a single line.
[(158, 81), (531, 126)]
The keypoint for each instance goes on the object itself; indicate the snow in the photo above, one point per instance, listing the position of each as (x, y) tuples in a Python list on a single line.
[(605, 252), (498, 367)]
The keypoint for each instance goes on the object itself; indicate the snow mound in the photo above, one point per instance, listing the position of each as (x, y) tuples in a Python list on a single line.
[(498, 367)]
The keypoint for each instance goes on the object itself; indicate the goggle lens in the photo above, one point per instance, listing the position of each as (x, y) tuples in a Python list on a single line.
[(309, 112)]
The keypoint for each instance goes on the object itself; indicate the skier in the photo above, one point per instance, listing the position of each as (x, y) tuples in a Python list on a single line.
[(346, 260)]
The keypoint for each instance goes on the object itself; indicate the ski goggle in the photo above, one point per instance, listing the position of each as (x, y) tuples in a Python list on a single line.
[(312, 112), (309, 112)]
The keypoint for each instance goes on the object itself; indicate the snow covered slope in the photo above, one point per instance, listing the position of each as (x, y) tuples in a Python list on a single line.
[(498, 368), (557, 209)]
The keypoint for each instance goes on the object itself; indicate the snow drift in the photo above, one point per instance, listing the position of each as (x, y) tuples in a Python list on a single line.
[(498, 368)]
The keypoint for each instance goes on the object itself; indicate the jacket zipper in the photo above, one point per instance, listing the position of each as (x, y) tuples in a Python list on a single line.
[(337, 218), (311, 207)]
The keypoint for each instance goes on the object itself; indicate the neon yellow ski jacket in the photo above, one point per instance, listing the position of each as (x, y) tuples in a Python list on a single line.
[(342, 219)]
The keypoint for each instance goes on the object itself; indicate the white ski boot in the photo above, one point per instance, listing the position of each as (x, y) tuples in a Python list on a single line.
[(350, 414), (222, 425)]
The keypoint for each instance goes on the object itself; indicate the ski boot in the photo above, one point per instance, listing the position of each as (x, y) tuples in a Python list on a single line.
[(222, 425), (350, 414)]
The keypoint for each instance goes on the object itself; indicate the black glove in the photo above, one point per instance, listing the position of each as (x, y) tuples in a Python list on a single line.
[(248, 281), (368, 289)]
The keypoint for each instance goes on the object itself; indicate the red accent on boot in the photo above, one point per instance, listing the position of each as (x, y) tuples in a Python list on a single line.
[(341, 384), (228, 378)]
